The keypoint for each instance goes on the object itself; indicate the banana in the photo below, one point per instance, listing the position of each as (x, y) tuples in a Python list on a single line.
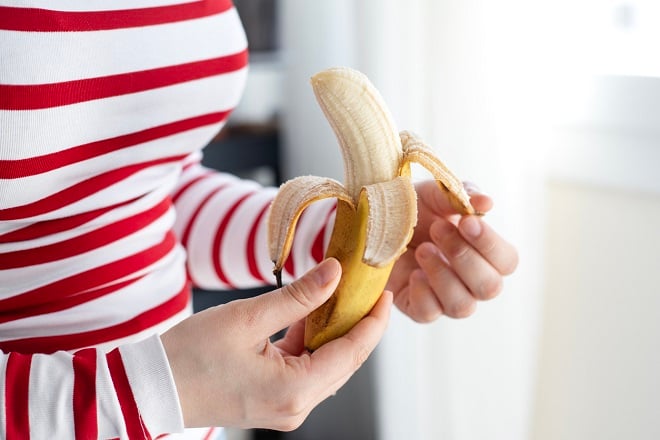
[(376, 206)]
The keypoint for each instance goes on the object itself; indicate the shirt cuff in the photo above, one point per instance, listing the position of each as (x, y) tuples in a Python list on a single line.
[(152, 383)]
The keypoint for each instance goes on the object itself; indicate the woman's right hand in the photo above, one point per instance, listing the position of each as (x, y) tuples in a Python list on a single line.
[(228, 373)]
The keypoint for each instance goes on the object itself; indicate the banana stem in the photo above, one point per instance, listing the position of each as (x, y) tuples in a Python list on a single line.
[(278, 277)]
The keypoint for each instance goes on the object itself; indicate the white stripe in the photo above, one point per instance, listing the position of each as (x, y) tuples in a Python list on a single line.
[(110, 419), (158, 329), (3, 404), (142, 204), (150, 377), (262, 255), (89, 5), (51, 396), (193, 158), (199, 434), (233, 251), (36, 187), (101, 53), (23, 279), (195, 194), (10, 226), (328, 230), (200, 246), (191, 172), (309, 225), (135, 186), (38, 132), (145, 294)]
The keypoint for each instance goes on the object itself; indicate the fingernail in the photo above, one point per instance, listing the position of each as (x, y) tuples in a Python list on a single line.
[(424, 252), (471, 188), (470, 226), (326, 271)]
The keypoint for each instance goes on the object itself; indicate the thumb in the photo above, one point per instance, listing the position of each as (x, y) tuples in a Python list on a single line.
[(291, 303)]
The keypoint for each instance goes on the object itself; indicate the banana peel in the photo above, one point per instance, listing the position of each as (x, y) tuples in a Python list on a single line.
[(376, 205)]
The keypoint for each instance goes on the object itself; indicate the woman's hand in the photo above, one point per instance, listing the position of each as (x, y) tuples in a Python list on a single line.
[(452, 261), (228, 373)]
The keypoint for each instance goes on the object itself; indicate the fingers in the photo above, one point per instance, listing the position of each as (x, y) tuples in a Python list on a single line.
[(470, 268), (498, 252), (317, 376), (437, 201), (399, 276), (423, 304), (343, 356), (440, 284), (461, 264), (296, 411), (293, 341), (273, 311), (480, 201)]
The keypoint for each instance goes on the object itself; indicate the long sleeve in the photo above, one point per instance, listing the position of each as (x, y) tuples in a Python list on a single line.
[(222, 220), (126, 393)]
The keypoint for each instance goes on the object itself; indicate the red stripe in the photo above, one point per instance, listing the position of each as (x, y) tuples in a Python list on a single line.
[(185, 237), (193, 218), (14, 169), (317, 247), (194, 162), (39, 96), (289, 267), (17, 389), (85, 242), (63, 304), (134, 426), (176, 195), (81, 190), (252, 243), (143, 321), (217, 240), (52, 227), (84, 394), (209, 434), (289, 264), (67, 292), (45, 20)]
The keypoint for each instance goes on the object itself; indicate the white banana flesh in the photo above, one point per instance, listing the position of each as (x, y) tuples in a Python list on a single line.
[(376, 205)]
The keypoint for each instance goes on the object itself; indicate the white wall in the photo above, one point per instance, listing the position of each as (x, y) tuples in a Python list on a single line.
[(600, 351)]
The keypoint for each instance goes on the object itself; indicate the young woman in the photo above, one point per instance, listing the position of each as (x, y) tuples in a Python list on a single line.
[(107, 218)]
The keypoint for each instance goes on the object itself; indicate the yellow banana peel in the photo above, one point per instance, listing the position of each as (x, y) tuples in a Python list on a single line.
[(376, 205)]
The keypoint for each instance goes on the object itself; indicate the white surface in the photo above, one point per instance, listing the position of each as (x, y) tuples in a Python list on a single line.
[(600, 356)]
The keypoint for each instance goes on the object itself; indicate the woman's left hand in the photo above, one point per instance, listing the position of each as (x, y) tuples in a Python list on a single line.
[(452, 261)]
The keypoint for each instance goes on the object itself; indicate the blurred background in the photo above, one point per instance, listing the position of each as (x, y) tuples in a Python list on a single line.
[(553, 108)]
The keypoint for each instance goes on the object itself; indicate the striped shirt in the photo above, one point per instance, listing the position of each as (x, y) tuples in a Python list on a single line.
[(107, 216)]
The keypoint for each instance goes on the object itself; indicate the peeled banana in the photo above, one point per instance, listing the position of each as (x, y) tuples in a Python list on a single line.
[(376, 206)]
